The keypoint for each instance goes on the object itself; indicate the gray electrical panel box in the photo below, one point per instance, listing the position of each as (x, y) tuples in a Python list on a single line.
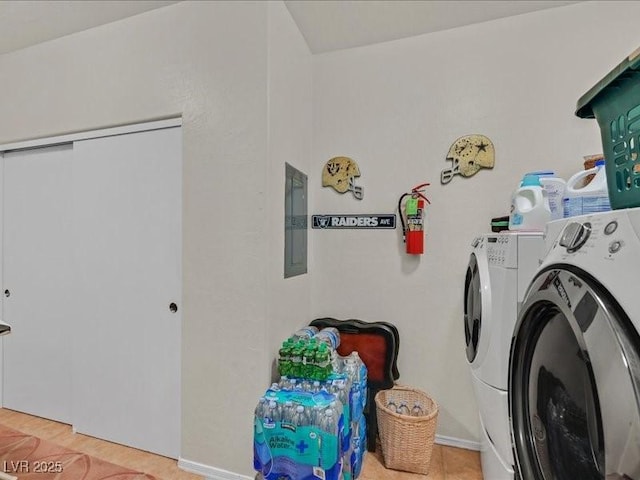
[(295, 222)]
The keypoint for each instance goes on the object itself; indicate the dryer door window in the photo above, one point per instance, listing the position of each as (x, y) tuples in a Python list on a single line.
[(472, 308), (574, 381)]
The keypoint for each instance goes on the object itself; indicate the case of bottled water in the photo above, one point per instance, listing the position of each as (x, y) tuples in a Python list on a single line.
[(298, 435), (310, 425)]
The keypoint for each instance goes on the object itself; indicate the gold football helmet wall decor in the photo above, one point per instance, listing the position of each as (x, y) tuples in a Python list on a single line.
[(340, 173), (468, 154)]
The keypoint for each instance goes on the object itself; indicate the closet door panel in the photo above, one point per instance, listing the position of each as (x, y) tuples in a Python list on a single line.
[(127, 218), (38, 289)]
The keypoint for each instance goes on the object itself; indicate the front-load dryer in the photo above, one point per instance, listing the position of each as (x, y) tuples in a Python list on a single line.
[(500, 269), (574, 371)]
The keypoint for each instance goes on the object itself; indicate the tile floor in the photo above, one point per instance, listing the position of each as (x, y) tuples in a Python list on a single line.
[(447, 463), (161, 467)]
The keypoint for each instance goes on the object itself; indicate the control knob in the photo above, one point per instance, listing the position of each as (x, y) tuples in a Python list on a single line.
[(575, 235)]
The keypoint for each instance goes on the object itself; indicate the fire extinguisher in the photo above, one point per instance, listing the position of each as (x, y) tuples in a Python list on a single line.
[(413, 227)]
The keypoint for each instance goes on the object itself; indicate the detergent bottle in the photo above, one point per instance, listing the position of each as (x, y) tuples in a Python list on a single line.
[(555, 187), (529, 206), (591, 198)]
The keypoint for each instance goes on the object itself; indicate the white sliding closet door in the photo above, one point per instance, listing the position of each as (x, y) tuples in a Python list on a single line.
[(38, 281), (127, 208), (1, 283)]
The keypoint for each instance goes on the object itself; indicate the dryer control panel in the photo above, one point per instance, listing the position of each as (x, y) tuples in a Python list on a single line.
[(502, 250)]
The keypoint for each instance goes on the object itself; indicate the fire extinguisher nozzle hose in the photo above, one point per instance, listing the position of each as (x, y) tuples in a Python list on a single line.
[(404, 226)]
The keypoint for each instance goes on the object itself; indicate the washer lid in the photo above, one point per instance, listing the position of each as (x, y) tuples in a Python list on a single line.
[(574, 382)]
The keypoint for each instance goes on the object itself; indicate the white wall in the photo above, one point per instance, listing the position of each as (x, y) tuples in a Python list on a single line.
[(206, 61), (396, 108), (290, 68), (239, 73)]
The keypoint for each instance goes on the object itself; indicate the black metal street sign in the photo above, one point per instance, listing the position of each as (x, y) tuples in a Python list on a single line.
[(354, 221)]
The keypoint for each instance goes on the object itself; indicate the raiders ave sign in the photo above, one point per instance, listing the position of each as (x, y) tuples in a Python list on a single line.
[(354, 221)]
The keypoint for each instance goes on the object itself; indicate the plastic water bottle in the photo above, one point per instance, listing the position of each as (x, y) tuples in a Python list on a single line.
[(362, 374), (392, 405), (323, 362), (403, 409), (300, 417), (351, 369), (297, 368), (356, 457), (337, 407), (417, 410), (309, 360), (284, 357), (273, 414), (293, 384), (591, 198), (348, 367), (362, 377), (329, 421), (261, 408), (330, 336), (275, 387), (262, 459), (340, 391), (287, 411), (305, 333), (284, 382), (355, 368), (315, 413), (530, 209)]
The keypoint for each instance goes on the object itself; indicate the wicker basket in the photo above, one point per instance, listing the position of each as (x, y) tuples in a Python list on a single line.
[(406, 441)]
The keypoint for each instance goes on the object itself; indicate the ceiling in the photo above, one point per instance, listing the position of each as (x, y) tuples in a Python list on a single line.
[(28, 22), (335, 24), (325, 24)]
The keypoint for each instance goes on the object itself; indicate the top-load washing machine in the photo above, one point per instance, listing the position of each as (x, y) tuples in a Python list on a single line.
[(500, 268), (574, 372)]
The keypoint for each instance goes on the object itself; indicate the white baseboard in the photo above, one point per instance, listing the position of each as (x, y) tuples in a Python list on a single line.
[(457, 442), (210, 473)]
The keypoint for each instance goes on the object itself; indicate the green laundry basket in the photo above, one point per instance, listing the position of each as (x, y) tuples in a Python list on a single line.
[(615, 103)]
